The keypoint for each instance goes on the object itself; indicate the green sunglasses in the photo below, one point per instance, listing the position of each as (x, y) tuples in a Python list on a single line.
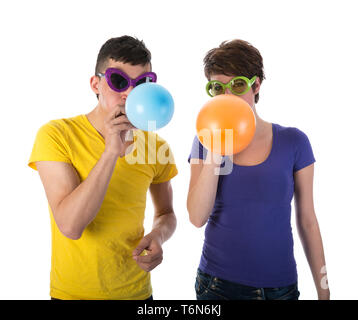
[(238, 85)]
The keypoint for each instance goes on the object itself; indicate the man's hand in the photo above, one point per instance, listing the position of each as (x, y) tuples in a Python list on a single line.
[(116, 127), (153, 246)]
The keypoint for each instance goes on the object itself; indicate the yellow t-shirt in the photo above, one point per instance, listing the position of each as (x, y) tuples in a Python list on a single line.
[(99, 265)]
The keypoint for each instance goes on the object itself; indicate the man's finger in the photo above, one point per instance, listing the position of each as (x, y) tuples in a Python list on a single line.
[(121, 127), (143, 244), (150, 266), (115, 113), (119, 120), (149, 258)]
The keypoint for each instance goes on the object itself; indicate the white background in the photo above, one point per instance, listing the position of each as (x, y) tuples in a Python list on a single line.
[(48, 54)]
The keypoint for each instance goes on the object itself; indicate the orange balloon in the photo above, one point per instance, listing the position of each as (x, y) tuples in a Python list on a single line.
[(226, 124)]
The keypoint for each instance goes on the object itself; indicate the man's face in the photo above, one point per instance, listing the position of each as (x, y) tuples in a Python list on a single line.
[(249, 96), (108, 98)]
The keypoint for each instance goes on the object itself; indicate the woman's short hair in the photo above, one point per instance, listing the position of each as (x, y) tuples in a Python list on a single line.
[(235, 58)]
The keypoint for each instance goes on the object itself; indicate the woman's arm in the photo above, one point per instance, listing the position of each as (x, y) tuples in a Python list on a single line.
[(308, 229), (202, 188)]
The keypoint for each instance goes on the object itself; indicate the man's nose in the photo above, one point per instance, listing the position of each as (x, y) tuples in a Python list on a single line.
[(128, 91)]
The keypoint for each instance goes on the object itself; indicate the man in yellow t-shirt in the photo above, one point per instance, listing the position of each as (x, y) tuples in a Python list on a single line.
[(96, 169)]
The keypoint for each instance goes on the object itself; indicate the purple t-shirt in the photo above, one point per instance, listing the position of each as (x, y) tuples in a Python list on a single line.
[(248, 237)]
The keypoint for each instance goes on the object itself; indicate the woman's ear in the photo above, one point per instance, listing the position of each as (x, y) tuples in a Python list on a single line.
[(257, 85)]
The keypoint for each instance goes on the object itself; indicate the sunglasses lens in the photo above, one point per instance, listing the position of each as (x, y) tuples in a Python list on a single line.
[(144, 80), (216, 88), (239, 86), (118, 81)]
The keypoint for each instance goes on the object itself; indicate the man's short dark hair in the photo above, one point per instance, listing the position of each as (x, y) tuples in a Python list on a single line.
[(125, 49)]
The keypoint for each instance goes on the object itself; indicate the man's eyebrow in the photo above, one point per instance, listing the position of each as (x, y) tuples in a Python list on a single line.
[(117, 69), (142, 74), (128, 74)]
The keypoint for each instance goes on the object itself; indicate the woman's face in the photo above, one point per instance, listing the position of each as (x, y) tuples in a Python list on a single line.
[(249, 96)]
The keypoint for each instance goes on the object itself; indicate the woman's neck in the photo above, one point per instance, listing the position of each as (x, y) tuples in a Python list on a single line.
[(262, 126)]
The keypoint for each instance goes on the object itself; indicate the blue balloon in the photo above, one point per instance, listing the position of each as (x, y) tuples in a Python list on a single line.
[(149, 106)]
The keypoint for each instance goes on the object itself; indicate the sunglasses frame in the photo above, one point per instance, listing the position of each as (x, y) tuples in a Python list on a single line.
[(248, 81), (130, 81)]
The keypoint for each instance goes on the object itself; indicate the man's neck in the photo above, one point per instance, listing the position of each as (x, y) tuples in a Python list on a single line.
[(96, 117)]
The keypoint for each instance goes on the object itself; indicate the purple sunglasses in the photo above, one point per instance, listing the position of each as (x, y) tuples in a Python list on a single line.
[(119, 81)]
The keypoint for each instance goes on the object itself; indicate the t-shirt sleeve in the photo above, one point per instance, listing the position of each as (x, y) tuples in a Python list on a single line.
[(198, 151), (49, 145), (165, 165), (303, 151)]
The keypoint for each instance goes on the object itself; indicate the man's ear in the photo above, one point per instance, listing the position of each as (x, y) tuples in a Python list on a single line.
[(94, 83)]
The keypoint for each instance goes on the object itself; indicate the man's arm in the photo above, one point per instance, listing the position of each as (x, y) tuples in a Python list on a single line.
[(74, 204), (164, 225), (308, 230)]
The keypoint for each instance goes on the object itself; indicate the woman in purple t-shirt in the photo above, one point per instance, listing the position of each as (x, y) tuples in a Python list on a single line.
[(248, 247)]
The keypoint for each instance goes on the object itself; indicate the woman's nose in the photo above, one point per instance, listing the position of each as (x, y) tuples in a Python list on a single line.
[(227, 91)]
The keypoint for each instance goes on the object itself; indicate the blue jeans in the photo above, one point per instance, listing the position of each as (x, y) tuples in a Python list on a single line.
[(208, 287)]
